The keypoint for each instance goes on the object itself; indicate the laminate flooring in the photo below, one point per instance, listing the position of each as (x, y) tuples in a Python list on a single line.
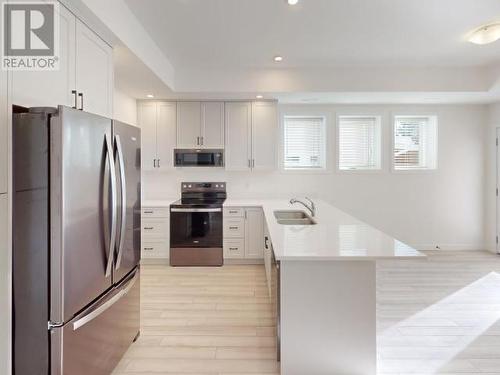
[(435, 316)]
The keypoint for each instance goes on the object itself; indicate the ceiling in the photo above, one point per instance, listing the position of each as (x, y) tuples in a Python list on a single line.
[(248, 33), (334, 51)]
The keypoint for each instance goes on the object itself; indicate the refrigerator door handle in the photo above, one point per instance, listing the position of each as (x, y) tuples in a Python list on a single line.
[(112, 172), (95, 312), (123, 184)]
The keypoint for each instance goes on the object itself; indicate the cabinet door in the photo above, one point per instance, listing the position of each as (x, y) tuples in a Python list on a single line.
[(165, 134), (188, 124), (4, 116), (254, 233), (264, 135), (238, 118), (50, 88), (94, 71), (146, 117), (212, 124)]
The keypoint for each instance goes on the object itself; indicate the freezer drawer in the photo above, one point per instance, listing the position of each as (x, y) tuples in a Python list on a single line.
[(95, 341)]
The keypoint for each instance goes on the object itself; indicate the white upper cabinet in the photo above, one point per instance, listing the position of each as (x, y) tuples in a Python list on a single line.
[(264, 135), (188, 124), (238, 118), (165, 134), (50, 88), (254, 233), (200, 125), (157, 121), (85, 74), (212, 124), (251, 135), (146, 115), (94, 72)]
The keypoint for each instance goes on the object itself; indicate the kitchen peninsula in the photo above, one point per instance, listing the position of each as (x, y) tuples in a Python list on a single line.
[(327, 287)]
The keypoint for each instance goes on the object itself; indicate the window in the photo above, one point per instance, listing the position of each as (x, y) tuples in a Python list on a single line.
[(304, 142), (415, 143), (359, 143)]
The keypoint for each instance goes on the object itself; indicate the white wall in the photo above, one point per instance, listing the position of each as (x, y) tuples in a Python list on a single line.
[(443, 208), (124, 108), (493, 122)]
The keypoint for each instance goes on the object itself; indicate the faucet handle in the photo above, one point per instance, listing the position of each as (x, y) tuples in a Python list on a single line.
[(310, 200)]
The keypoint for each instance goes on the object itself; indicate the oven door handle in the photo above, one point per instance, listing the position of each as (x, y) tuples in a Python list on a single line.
[(196, 210)]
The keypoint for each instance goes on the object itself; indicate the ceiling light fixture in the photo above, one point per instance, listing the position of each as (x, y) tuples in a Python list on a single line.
[(278, 58), (292, 2), (259, 96), (485, 34), (150, 96)]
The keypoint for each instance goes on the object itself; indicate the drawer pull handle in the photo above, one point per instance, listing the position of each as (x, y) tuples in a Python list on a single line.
[(233, 248), (148, 228), (233, 227), (148, 212), (233, 212), (148, 248)]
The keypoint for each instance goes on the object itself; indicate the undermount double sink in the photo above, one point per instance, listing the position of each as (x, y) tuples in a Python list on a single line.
[(293, 217)]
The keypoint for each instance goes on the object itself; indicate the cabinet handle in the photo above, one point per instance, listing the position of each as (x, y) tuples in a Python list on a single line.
[(75, 98), (265, 242), (201, 140), (233, 212), (154, 163), (148, 248), (253, 163), (148, 228), (233, 227), (158, 163), (80, 94), (233, 248), (197, 141), (249, 164), (148, 212)]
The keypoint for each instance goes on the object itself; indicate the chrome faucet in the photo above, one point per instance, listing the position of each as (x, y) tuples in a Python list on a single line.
[(311, 208)]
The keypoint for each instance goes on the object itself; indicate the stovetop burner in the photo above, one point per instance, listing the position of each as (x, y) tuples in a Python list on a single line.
[(201, 195)]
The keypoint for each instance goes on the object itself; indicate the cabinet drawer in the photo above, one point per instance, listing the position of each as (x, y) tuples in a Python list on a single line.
[(155, 228), (234, 248), (234, 227), (155, 212), (154, 247), (234, 212)]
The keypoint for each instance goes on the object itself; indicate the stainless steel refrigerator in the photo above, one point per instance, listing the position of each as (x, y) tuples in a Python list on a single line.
[(76, 241)]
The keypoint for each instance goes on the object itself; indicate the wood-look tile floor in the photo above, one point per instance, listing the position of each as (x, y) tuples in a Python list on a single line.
[(435, 316)]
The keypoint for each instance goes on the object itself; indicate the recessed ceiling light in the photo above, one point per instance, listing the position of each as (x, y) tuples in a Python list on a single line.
[(259, 96), (292, 2), (150, 96), (278, 58), (485, 34)]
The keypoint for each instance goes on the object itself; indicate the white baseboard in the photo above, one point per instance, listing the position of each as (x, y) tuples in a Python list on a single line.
[(451, 247), (243, 261), (164, 261)]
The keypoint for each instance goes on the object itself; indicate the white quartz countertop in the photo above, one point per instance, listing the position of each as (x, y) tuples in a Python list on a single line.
[(336, 236)]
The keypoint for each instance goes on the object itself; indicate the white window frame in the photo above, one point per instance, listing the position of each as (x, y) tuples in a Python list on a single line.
[(305, 112), (381, 143), (435, 118)]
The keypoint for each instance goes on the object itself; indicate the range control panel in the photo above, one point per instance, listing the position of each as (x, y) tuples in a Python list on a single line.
[(187, 187)]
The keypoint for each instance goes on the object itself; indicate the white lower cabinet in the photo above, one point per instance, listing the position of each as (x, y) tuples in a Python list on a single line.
[(155, 232), (4, 288), (243, 233)]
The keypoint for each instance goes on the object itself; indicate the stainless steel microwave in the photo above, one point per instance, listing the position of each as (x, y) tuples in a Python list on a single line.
[(198, 157)]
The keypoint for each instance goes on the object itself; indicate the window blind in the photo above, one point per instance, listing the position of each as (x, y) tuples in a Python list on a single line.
[(304, 142), (415, 142), (359, 143)]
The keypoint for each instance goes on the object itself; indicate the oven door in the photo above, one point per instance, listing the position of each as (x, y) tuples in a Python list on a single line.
[(196, 227), (199, 158)]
